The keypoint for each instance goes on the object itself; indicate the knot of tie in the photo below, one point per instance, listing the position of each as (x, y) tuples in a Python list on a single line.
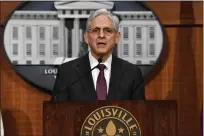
[(101, 67)]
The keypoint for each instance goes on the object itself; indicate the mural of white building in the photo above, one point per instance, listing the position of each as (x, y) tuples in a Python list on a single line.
[(141, 37), (53, 37), (33, 37)]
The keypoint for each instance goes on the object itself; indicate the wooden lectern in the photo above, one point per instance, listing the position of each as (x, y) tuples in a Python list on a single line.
[(105, 118)]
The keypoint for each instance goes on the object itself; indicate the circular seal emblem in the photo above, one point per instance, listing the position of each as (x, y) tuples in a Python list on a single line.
[(110, 121)]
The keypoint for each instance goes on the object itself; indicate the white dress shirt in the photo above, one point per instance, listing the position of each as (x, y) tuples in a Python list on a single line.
[(95, 72)]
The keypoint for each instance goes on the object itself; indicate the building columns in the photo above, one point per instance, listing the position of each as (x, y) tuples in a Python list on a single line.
[(76, 38), (62, 38)]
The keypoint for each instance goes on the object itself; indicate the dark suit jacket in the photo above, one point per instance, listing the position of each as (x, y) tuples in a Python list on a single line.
[(126, 82)]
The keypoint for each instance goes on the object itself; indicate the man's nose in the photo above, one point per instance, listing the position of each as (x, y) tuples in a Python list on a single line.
[(101, 34)]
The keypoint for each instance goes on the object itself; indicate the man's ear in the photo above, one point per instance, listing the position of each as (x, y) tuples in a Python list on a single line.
[(86, 38), (118, 36)]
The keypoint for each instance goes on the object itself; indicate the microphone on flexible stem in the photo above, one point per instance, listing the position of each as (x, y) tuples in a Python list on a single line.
[(64, 88), (100, 59)]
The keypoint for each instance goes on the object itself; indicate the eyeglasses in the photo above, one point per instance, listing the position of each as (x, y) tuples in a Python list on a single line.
[(106, 31)]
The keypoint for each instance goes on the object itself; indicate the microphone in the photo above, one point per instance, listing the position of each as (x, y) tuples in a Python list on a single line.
[(100, 59)]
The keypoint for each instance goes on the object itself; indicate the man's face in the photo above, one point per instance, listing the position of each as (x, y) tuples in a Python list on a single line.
[(102, 36)]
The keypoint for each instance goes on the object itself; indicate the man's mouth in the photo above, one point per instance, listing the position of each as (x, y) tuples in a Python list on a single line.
[(101, 44)]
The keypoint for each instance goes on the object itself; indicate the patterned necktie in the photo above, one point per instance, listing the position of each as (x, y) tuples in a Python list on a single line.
[(101, 88)]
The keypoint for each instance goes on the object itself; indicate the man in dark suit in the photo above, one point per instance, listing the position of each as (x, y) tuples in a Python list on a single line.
[(112, 79)]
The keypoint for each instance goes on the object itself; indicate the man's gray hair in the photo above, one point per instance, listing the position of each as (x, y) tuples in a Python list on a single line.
[(99, 12)]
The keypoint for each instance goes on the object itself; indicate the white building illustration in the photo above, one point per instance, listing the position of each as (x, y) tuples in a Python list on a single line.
[(54, 37)]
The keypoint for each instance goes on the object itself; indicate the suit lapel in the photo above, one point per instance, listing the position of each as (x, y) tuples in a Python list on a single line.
[(116, 76), (87, 81)]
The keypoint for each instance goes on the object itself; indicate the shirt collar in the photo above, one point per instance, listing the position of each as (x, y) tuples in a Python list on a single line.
[(94, 62)]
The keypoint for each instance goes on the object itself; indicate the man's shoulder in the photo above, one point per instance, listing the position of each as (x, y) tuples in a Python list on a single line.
[(70, 64), (127, 65), (131, 69)]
